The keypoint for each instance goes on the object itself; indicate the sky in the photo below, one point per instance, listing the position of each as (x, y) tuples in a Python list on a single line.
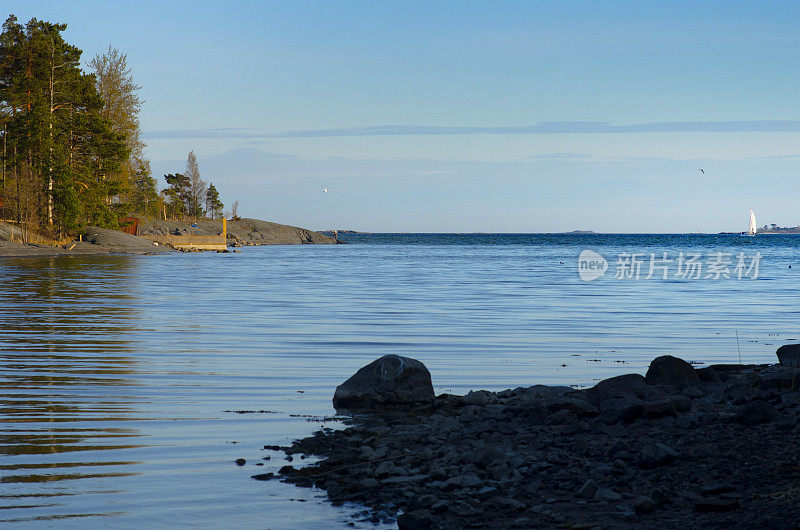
[(459, 116)]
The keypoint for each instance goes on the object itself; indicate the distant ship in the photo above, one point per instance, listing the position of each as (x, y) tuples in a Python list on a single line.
[(751, 229)]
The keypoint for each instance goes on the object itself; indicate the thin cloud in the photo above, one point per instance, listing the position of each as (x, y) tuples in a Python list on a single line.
[(556, 127), (202, 133), (549, 127)]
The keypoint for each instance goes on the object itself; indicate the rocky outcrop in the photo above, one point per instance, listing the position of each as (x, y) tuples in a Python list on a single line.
[(718, 453), (388, 381), (241, 232), (671, 371), (789, 355)]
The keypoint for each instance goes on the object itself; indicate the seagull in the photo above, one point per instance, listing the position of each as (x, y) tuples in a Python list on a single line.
[(703, 172), (324, 190)]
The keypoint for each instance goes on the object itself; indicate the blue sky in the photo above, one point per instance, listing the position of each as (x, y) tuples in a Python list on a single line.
[(469, 116)]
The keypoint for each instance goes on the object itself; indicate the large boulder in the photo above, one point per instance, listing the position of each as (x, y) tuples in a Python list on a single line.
[(631, 386), (671, 371), (390, 380), (789, 354)]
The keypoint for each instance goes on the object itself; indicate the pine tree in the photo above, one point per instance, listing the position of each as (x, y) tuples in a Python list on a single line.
[(178, 194), (57, 146), (213, 204)]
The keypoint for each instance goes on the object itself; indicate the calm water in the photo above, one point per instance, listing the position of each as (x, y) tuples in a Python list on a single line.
[(120, 375)]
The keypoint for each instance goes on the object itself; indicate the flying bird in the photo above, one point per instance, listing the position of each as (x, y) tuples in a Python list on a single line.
[(701, 171), (324, 190)]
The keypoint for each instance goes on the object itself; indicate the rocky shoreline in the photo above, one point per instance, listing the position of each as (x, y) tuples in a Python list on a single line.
[(243, 232), (678, 448)]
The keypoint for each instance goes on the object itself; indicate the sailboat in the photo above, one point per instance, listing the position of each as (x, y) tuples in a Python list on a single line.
[(751, 229)]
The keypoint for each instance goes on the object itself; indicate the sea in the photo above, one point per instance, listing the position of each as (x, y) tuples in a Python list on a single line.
[(132, 384)]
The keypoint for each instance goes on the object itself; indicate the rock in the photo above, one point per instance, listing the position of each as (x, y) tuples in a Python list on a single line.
[(287, 470), (716, 505), (404, 479), (717, 487), (660, 497), (263, 476), (385, 469), (783, 381), (414, 520), (576, 403), (669, 370), (616, 447), (390, 380), (683, 403), (615, 410), (694, 392), (479, 397), (486, 455), (708, 374), (605, 494), (785, 422), (437, 473), (368, 483), (486, 491), (588, 490), (659, 409), (656, 455), (560, 417), (630, 386), (789, 354), (643, 505), (755, 413), (471, 480)]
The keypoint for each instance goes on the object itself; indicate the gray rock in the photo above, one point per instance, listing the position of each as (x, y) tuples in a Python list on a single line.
[(615, 410), (479, 397), (617, 446), (659, 409), (588, 490), (717, 487), (385, 469), (755, 413), (630, 386), (783, 381), (694, 392), (471, 480), (368, 483), (655, 455), (390, 380), (577, 403), (643, 505), (605, 494), (485, 455), (404, 480), (789, 355), (486, 491), (414, 520), (437, 473), (669, 370), (682, 403)]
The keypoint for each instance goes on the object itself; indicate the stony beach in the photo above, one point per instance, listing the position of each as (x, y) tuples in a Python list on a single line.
[(680, 447)]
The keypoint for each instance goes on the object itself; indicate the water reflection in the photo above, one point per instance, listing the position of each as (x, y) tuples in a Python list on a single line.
[(67, 357)]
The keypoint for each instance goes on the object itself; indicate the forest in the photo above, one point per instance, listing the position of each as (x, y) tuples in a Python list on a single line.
[(72, 149)]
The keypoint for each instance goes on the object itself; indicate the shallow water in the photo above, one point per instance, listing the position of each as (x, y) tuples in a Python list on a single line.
[(121, 375)]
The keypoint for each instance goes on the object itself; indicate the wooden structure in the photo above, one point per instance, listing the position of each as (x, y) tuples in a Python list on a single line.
[(194, 242)]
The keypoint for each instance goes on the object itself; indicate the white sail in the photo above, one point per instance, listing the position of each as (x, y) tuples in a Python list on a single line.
[(751, 230)]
